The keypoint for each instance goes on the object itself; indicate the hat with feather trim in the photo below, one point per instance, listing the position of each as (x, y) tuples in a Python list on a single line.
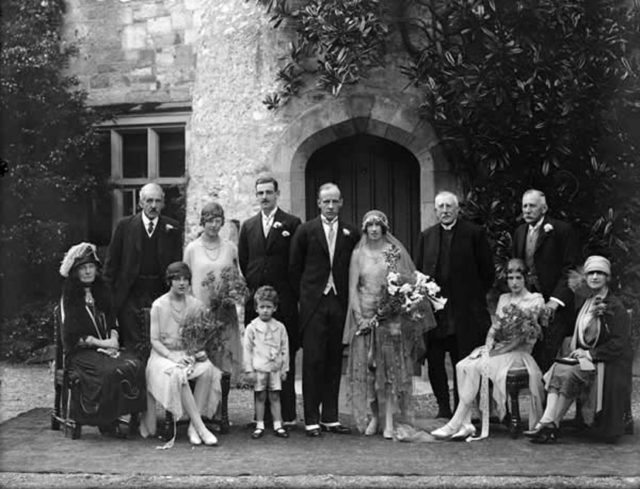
[(78, 255)]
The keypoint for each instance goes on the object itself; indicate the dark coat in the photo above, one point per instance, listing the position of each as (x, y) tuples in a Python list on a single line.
[(77, 321), (265, 261), (310, 266), (556, 252), (122, 265), (614, 349), (471, 276)]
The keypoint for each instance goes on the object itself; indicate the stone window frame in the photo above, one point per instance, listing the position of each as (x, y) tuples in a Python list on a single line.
[(153, 124)]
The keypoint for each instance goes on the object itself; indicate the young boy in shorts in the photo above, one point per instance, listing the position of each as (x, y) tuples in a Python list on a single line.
[(266, 359)]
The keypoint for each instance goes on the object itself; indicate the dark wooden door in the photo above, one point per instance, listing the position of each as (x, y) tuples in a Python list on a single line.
[(372, 173)]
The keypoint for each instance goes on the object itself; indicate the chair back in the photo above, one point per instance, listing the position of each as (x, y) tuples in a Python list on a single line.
[(57, 337)]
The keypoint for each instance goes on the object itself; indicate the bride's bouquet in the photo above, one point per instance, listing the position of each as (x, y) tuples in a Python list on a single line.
[(409, 295)]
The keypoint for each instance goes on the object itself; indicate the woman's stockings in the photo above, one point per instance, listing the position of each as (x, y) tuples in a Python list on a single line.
[(202, 389), (462, 416), (557, 406)]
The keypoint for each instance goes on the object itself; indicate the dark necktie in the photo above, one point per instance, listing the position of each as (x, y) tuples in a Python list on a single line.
[(150, 228)]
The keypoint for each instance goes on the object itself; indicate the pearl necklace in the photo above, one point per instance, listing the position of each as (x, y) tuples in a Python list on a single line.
[(177, 313), (214, 249)]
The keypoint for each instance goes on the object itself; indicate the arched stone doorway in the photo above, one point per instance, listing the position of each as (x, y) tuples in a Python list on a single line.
[(387, 116), (372, 173)]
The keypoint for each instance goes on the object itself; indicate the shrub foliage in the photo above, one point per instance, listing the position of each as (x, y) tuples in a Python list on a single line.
[(48, 141)]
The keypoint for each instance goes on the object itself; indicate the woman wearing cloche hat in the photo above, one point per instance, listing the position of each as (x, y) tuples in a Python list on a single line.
[(597, 369), (112, 381)]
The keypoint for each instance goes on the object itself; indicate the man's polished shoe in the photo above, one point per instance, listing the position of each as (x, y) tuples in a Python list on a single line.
[(338, 429), (314, 433)]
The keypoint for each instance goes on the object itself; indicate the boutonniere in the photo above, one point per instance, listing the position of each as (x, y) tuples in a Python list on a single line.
[(277, 225), (286, 234), (346, 232), (169, 227), (548, 227)]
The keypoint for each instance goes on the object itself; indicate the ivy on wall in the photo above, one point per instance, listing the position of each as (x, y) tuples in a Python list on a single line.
[(335, 41)]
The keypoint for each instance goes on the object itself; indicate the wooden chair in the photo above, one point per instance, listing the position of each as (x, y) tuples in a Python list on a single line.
[(61, 415), (225, 386), (517, 379)]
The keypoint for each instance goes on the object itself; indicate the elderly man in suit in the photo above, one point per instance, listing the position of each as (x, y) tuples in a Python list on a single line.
[(456, 254), (319, 265), (141, 248), (263, 251), (549, 248)]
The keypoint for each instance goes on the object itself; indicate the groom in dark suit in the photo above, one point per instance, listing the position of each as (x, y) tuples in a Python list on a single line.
[(263, 251), (549, 248), (319, 265), (457, 255), (141, 248)]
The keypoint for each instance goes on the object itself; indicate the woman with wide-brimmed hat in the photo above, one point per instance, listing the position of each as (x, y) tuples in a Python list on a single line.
[(111, 380)]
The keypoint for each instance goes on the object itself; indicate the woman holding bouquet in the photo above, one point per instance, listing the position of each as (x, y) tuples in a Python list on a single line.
[(382, 350), (597, 371), (171, 366), (214, 261), (508, 344)]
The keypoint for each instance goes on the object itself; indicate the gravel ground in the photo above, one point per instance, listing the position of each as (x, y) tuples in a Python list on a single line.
[(24, 387)]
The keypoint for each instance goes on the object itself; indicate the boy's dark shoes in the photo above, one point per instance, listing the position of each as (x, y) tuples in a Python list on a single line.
[(281, 433), (338, 429), (257, 433)]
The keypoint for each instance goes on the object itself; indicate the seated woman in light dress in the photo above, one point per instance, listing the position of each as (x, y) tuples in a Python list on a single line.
[(597, 369), (170, 368), (502, 351), (210, 253)]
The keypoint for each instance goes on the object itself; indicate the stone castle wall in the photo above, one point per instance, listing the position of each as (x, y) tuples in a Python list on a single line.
[(134, 50)]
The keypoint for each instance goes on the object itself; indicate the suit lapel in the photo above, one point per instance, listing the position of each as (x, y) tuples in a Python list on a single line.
[(542, 235), (272, 232), (433, 249), (138, 229), (258, 231), (319, 231)]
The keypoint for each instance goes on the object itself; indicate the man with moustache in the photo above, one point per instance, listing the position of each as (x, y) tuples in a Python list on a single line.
[(263, 251), (141, 248), (549, 249), (319, 266), (456, 254)]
